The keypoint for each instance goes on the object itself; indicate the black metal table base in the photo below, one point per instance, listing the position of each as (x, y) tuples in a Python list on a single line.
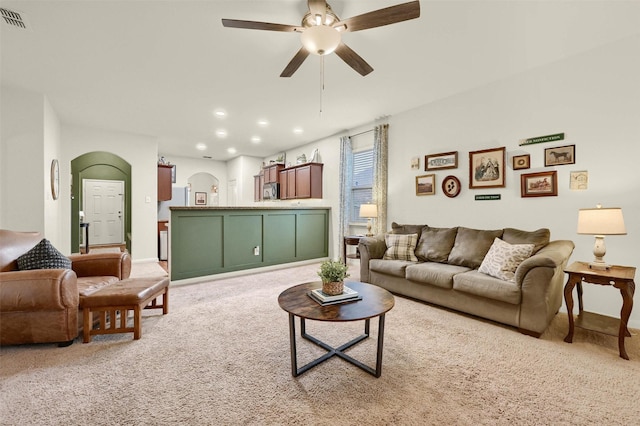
[(331, 351)]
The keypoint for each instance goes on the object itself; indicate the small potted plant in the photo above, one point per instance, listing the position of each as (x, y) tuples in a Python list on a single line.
[(333, 273)]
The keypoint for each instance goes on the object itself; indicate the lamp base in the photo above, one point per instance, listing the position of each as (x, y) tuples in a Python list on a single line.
[(599, 265)]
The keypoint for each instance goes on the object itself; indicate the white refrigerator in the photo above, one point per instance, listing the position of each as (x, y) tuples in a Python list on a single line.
[(179, 197)]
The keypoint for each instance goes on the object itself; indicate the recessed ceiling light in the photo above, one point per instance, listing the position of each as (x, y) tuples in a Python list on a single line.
[(256, 139), (263, 122), (298, 130), (221, 133), (201, 147), (220, 113), (231, 150)]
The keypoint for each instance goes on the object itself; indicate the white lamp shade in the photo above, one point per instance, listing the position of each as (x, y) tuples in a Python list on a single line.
[(601, 221), (368, 210), (320, 39)]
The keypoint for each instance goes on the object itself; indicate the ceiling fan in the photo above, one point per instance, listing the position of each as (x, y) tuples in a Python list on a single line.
[(321, 31)]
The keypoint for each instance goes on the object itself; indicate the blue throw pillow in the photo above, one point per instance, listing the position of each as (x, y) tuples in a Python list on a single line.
[(43, 256)]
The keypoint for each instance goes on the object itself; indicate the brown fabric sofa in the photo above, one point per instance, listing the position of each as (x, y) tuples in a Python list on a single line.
[(446, 273), (41, 306)]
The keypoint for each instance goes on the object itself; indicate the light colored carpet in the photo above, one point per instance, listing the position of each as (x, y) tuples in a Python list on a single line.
[(221, 357)]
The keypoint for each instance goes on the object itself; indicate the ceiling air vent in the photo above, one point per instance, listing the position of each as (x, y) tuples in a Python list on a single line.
[(15, 19)]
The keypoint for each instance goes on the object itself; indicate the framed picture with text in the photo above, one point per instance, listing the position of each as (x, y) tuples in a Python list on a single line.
[(201, 198), (446, 160), (486, 168)]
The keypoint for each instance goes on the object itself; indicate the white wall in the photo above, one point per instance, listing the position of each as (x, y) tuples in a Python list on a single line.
[(141, 153), (594, 98), (30, 141), (52, 208), (187, 167)]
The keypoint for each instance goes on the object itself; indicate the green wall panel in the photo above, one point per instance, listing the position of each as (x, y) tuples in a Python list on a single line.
[(242, 234), (312, 235), (280, 237), (196, 246), (209, 241)]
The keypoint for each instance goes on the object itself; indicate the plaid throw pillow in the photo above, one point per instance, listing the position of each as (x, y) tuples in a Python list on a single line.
[(401, 247), (43, 256)]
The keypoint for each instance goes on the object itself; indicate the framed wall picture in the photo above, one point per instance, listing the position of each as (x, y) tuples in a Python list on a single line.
[(486, 168), (579, 180), (451, 186), (521, 161), (543, 184), (201, 198), (560, 155), (446, 160), (426, 185)]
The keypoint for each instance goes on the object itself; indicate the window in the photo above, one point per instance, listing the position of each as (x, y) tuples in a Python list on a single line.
[(362, 185)]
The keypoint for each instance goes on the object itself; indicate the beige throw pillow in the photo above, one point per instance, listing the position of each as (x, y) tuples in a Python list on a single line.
[(401, 247), (503, 259)]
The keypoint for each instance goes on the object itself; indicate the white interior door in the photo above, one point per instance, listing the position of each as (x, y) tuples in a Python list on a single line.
[(103, 206)]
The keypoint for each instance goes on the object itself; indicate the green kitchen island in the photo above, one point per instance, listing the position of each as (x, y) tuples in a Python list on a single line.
[(212, 240)]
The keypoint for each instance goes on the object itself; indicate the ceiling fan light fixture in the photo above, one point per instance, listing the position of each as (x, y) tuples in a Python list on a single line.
[(320, 39)]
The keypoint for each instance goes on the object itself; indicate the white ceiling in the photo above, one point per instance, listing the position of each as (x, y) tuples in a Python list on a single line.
[(160, 68)]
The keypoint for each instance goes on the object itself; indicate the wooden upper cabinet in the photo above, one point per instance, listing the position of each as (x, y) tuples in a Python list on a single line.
[(258, 183), (272, 173), (164, 182), (301, 181)]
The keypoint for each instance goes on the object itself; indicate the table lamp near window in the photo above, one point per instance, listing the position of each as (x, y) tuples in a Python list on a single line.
[(600, 222), (369, 211)]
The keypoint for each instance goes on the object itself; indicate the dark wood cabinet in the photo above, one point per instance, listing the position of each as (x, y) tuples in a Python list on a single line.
[(164, 182), (272, 173), (258, 183), (301, 181)]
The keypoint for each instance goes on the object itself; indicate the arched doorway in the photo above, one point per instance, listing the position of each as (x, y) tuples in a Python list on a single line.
[(98, 166), (204, 189)]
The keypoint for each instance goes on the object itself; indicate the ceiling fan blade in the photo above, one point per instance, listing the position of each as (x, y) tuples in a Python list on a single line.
[(295, 63), (381, 17), (253, 25), (352, 59)]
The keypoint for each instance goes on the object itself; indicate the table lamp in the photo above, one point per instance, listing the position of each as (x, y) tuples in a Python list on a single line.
[(600, 222), (369, 211)]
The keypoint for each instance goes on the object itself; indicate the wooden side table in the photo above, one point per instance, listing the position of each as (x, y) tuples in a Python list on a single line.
[(620, 277), (350, 240)]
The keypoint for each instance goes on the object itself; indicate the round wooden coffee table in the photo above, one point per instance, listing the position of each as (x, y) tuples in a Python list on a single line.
[(376, 302)]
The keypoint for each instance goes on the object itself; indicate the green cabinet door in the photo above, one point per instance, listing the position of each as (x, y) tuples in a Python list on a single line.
[(196, 245)]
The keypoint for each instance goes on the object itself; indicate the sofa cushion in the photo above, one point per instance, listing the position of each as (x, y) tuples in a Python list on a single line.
[(433, 273), (43, 256), (406, 229), (401, 247), (396, 268), (503, 259), (479, 284), (539, 238), (471, 246), (435, 244)]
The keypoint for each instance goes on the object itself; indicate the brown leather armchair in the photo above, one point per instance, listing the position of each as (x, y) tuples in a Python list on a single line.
[(41, 306)]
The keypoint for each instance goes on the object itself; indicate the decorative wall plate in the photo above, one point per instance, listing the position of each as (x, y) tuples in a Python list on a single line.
[(451, 186), (55, 179)]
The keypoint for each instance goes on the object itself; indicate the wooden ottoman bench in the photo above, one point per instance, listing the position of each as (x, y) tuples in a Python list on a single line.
[(132, 294)]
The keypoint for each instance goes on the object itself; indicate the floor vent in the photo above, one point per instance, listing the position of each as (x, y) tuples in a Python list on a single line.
[(15, 19)]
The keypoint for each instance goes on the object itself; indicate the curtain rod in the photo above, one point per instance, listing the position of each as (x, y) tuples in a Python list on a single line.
[(362, 133)]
